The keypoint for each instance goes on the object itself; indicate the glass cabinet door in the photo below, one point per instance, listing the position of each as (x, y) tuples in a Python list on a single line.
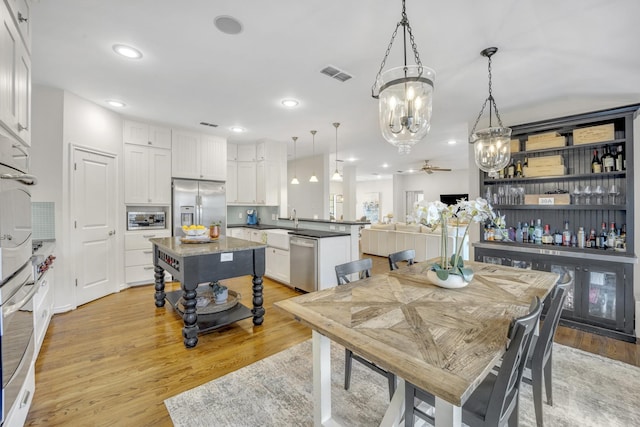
[(602, 294)]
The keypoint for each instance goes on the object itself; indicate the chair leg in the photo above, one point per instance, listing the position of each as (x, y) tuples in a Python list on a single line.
[(513, 418), (409, 402), (547, 379), (391, 378), (536, 380), (348, 361)]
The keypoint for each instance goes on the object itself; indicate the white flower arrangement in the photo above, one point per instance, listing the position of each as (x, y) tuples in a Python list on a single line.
[(462, 214)]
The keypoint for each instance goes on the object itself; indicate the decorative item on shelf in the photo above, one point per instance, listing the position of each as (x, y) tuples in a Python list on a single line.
[(336, 175), (220, 292), (214, 230), (314, 178), (295, 181), (492, 145), (462, 214), (405, 95)]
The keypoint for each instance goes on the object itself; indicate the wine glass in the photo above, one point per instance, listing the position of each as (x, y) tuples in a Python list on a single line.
[(587, 194), (575, 194), (614, 191), (599, 193)]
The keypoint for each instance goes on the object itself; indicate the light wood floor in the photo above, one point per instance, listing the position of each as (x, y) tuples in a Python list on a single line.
[(112, 362)]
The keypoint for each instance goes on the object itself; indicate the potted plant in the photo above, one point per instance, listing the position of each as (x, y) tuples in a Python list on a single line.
[(220, 292), (451, 272), (214, 230)]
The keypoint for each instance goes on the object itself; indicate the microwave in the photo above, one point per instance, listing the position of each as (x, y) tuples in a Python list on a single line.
[(145, 220)]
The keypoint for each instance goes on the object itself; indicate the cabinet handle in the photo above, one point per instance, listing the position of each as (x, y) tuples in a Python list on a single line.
[(21, 128), (148, 236), (148, 268), (150, 143), (147, 252), (112, 232), (22, 18), (25, 401)]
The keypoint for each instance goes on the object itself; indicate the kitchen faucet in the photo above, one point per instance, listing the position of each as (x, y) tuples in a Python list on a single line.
[(294, 217)]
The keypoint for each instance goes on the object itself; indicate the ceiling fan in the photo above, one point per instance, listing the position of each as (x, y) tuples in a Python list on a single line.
[(429, 168)]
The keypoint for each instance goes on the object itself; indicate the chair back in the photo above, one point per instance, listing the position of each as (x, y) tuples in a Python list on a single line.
[(361, 266), (504, 396), (407, 255), (544, 343)]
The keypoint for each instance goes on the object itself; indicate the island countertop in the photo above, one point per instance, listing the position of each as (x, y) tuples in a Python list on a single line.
[(222, 244)]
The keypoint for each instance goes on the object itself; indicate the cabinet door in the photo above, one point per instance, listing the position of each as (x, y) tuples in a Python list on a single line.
[(268, 183), (232, 151), (21, 11), (246, 152), (23, 95), (232, 182), (603, 299), (136, 174), (159, 176), (135, 133), (246, 182), (185, 149), (159, 137), (213, 158), (9, 48)]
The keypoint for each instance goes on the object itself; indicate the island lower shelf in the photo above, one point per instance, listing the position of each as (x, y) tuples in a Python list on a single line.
[(210, 322)]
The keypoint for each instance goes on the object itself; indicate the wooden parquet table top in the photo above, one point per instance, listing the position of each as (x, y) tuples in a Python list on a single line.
[(443, 340)]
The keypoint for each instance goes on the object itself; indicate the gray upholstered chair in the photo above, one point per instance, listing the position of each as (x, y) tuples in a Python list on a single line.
[(407, 255), (540, 357), (495, 401), (363, 268)]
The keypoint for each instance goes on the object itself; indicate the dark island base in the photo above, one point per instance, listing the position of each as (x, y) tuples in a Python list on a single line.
[(209, 322)]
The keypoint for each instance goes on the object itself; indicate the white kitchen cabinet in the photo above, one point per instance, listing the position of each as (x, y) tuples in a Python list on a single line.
[(42, 309), (147, 172), (246, 152), (258, 236), (198, 156), (20, 10), (236, 232), (270, 150), (268, 182), (277, 265), (15, 79), (146, 134), (138, 258), (232, 151), (232, 182), (246, 179)]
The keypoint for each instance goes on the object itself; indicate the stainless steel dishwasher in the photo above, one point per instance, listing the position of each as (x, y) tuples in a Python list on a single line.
[(304, 263)]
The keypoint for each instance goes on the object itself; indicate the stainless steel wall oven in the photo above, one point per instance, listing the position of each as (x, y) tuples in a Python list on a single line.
[(17, 272)]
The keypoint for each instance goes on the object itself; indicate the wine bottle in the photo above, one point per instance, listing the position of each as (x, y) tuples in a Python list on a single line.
[(537, 232), (607, 160), (511, 169), (612, 236), (602, 241), (519, 169), (547, 237), (557, 238), (566, 235), (620, 166), (596, 166)]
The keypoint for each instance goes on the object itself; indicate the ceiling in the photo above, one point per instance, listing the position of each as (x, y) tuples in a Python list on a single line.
[(555, 58)]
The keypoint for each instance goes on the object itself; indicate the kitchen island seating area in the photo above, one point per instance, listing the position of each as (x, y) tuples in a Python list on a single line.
[(444, 341)]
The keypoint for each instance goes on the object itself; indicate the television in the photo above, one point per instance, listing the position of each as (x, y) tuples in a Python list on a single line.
[(452, 199)]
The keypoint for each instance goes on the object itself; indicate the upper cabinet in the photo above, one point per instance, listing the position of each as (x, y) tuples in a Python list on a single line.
[(147, 172), (20, 10), (146, 134), (246, 152), (15, 73), (198, 156), (270, 151)]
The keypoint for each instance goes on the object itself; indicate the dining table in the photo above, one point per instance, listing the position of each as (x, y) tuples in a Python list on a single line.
[(444, 341)]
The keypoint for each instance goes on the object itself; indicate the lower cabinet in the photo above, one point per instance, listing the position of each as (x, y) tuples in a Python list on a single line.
[(600, 297), (277, 265), (42, 309), (138, 256)]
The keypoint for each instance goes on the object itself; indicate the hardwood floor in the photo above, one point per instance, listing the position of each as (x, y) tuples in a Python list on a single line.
[(114, 361)]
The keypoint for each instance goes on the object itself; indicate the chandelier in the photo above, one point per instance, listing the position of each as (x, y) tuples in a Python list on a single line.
[(405, 94), (336, 175), (491, 146), (295, 181), (314, 178)]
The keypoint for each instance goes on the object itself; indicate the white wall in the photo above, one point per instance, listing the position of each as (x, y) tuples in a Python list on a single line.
[(309, 199), (384, 188)]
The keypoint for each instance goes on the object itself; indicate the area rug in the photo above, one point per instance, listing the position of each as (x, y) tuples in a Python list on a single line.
[(588, 390)]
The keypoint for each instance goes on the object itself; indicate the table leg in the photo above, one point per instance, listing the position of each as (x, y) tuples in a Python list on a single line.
[(258, 309), (159, 280), (447, 415), (190, 318), (321, 379), (393, 414)]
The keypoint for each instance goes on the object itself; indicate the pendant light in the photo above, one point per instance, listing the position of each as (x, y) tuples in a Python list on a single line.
[(405, 95), (314, 178), (336, 175), (294, 181), (492, 146)]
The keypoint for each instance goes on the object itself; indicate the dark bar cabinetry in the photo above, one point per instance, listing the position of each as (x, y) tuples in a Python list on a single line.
[(601, 297)]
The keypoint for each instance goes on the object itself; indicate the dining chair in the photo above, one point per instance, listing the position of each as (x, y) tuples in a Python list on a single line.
[(363, 268), (407, 255), (540, 358), (495, 401)]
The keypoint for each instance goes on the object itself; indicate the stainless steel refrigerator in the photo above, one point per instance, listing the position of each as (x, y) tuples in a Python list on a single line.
[(198, 202)]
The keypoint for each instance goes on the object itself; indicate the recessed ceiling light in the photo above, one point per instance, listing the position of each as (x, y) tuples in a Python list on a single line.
[(227, 24), (411, 171), (351, 159), (237, 129), (451, 142), (290, 102), (127, 51), (385, 165), (115, 103)]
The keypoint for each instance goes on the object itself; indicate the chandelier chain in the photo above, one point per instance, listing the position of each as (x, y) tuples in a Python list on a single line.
[(405, 23), (490, 100)]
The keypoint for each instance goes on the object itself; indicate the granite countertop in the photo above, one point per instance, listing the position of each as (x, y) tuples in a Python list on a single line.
[(318, 234), (174, 246), (256, 227)]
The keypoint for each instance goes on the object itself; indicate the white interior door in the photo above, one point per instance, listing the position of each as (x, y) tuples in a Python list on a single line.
[(94, 213)]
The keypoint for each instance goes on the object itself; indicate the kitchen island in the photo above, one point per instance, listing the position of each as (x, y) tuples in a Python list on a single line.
[(195, 263)]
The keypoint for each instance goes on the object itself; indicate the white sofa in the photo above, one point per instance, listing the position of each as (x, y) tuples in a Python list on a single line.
[(384, 239)]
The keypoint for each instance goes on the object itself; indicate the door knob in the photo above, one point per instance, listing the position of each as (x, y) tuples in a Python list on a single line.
[(112, 232)]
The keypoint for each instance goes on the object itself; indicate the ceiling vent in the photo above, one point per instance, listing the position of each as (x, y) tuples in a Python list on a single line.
[(336, 73), (208, 124)]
